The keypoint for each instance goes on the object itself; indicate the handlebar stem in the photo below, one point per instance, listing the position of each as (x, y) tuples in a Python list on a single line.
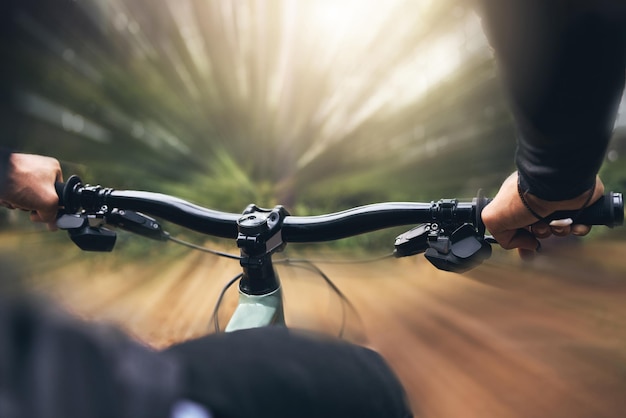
[(259, 236)]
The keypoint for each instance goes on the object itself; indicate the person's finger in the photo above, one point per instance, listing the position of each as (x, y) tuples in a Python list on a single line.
[(520, 238), (526, 255), (561, 231), (561, 222), (35, 217), (43, 216), (48, 219), (580, 230), (561, 227), (48, 216), (541, 230)]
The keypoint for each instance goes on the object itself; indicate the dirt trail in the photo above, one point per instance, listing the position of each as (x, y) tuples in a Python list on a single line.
[(502, 341)]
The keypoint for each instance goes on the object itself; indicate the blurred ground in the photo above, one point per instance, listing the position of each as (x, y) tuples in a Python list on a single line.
[(505, 340)]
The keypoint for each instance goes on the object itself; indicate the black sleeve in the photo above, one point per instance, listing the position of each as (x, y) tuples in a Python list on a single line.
[(4, 166), (563, 64), (284, 373), (54, 366)]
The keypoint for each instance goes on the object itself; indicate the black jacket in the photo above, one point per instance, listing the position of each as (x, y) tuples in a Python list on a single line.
[(52, 365), (563, 64)]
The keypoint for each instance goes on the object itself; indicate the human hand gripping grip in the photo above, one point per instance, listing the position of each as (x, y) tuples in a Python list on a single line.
[(87, 229), (454, 242), (513, 227)]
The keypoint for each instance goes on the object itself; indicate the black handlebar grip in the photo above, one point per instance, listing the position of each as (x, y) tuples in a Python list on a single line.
[(65, 192), (608, 211), (59, 186)]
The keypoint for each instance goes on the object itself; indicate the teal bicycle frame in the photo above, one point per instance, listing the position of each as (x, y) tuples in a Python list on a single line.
[(255, 311)]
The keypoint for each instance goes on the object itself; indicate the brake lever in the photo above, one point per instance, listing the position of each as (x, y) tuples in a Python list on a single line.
[(412, 242), (459, 251), (67, 221), (86, 236), (137, 223)]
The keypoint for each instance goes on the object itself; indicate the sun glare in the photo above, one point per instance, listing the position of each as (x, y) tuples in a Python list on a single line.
[(302, 76), (350, 20)]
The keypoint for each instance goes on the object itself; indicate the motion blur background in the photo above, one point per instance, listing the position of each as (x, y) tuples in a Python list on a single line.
[(317, 105)]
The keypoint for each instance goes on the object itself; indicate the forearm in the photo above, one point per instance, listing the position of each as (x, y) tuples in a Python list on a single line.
[(566, 122), (563, 67), (559, 169)]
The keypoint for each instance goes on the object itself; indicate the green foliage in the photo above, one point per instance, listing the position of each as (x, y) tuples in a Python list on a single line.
[(227, 186)]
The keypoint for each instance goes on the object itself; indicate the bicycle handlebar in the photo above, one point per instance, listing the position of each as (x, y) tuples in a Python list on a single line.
[(224, 225), (450, 233), (73, 195)]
